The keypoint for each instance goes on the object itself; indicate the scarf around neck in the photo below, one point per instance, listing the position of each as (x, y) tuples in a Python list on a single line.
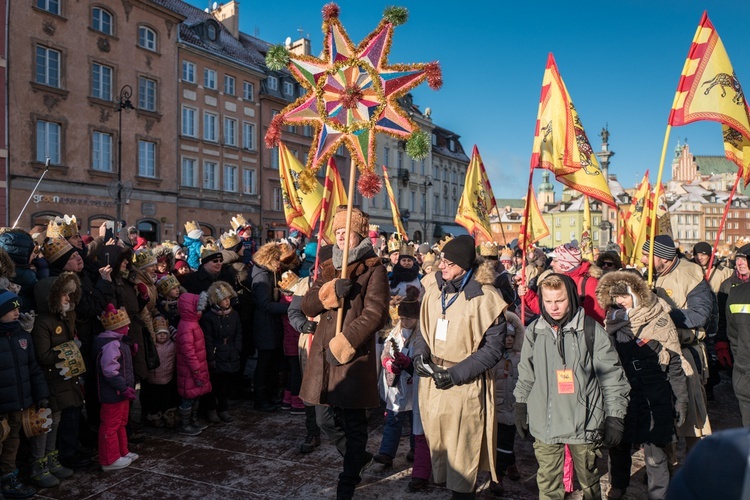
[(355, 253)]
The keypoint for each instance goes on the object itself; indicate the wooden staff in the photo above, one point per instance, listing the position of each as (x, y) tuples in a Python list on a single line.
[(723, 221), (344, 264), (653, 210), (525, 238), (46, 169)]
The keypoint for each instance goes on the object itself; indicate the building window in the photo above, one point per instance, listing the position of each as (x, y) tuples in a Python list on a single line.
[(210, 175), (423, 167), (557, 236), (289, 88), (386, 157), (147, 159), (47, 66), (423, 207), (189, 124), (51, 6), (101, 82), (248, 181), (596, 220), (147, 38), (229, 85), (146, 94), (48, 142), (230, 131), (413, 166), (386, 200), (101, 149), (189, 172), (248, 90), (596, 235), (572, 235), (275, 158), (436, 204), (209, 127), (273, 83), (572, 222), (307, 130), (188, 72), (101, 20), (400, 159), (277, 202), (230, 178), (209, 78), (557, 222), (248, 136)]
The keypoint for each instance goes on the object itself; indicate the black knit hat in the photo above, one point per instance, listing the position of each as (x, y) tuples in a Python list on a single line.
[(702, 247), (460, 251), (663, 247), (743, 251), (8, 302)]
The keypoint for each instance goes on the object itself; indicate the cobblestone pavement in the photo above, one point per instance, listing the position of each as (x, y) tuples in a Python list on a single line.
[(257, 456)]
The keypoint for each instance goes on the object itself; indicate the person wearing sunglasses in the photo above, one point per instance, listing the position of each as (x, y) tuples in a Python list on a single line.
[(609, 261)]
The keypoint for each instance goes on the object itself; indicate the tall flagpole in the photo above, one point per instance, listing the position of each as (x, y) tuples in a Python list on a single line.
[(525, 238), (723, 221), (345, 261), (653, 210)]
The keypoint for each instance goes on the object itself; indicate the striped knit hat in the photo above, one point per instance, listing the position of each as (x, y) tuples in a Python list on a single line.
[(663, 247)]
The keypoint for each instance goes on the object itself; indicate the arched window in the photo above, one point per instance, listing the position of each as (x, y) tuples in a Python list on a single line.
[(148, 229), (39, 220), (95, 222), (208, 230), (146, 38), (101, 20), (418, 236)]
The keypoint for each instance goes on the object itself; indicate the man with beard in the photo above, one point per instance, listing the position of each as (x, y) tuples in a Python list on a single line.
[(405, 273)]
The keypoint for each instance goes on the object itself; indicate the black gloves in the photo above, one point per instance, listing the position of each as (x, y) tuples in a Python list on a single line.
[(342, 287), (680, 410), (442, 378), (422, 368), (521, 419), (613, 429), (309, 327)]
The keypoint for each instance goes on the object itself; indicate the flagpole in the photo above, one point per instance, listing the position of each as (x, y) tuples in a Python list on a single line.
[(345, 261), (723, 221), (525, 239), (653, 222), (324, 210)]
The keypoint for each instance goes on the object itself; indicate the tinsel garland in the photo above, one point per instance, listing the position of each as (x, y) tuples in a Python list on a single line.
[(369, 184)]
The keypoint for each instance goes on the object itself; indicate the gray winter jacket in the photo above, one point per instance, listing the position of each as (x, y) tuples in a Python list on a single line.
[(600, 387)]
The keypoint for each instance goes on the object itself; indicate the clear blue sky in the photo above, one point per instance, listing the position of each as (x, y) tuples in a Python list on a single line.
[(621, 62)]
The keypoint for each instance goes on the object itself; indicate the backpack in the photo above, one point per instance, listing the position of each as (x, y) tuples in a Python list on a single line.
[(589, 333)]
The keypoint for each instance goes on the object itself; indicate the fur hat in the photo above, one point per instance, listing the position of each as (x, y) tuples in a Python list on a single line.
[(219, 291), (360, 221), (460, 251), (193, 230), (112, 318), (166, 283), (144, 258), (57, 251), (268, 256), (289, 259), (409, 307)]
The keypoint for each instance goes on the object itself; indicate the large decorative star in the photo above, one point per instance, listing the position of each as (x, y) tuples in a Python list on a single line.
[(352, 93)]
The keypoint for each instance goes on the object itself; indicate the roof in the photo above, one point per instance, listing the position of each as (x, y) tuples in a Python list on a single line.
[(442, 145), (510, 202)]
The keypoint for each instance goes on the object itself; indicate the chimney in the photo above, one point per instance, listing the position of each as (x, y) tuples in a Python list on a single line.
[(228, 14), (301, 47)]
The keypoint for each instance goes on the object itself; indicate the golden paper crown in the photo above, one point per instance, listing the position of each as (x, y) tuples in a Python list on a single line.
[(210, 248), (406, 250), (394, 245), (166, 283), (506, 254), (428, 259), (440, 244), (65, 226), (55, 248), (488, 249), (229, 239), (191, 226), (374, 227), (219, 291), (161, 324), (169, 244), (238, 222), (115, 319), (288, 280), (36, 421), (71, 360), (144, 258)]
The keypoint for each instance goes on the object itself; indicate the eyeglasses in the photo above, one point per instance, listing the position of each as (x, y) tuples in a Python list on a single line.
[(608, 264), (217, 261), (446, 263)]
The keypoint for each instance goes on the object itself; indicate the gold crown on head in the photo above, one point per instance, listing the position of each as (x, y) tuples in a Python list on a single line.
[(440, 244), (488, 249), (166, 283), (144, 258), (506, 254), (219, 291), (288, 280), (169, 244), (55, 248), (112, 320), (65, 226), (238, 222), (210, 248), (394, 245), (406, 250), (161, 324), (374, 227), (429, 258), (191, 226), (229, 239)]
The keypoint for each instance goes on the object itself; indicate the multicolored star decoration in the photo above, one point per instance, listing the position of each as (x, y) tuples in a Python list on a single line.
[(352, 95)]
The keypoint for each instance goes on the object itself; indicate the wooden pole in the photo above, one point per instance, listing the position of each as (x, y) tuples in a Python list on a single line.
[(723, 221), (524, 244), (653, 211), (344, 265)]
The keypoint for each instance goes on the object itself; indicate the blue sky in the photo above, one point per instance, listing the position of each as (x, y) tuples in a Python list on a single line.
[(621, 62)]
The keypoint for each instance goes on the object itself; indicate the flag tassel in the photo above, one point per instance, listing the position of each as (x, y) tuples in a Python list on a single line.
[(344, 266), (653, 210), (723, 221)]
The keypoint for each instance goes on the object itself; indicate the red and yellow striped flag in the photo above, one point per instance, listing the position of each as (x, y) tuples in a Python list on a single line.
[(561, 144), (334, 195), (709, 90), (477, 200), (635, 223), (394, 208), (301, 209), (533, 227), (587, 245)]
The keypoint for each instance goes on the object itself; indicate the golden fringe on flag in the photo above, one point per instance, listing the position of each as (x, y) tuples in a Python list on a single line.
[(301, 209), (587, 247), (561, 144), (477, 200), (334, 195), (534, 228), (394, 208)]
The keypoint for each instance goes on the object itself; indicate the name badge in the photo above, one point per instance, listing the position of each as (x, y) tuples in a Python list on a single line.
[(565, 382), (441, 332)]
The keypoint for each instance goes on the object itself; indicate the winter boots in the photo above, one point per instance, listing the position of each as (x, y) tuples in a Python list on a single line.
[(155, 419), (194, 418), (186, 428), (225, 416), (170, 418), (56, 468), (213, 417), (40, 476), (12, 487)]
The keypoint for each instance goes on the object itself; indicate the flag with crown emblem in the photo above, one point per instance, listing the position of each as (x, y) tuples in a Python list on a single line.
[(395, 214), (477, 200), (533, 227), (301, 209), (334, 195)]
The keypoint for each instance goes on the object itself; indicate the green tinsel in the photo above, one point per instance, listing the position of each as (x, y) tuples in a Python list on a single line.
[(277, 58), (396, 15), (418, 145)]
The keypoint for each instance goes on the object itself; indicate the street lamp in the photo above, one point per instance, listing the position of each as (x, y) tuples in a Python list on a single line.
[(426, 184), (123, 102)]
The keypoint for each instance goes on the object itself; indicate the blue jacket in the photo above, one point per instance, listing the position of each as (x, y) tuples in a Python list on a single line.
[(193, 251), (22, 381)]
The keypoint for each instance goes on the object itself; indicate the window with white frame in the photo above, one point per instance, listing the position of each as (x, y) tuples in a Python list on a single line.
[(572, 235), (230, 131), (48, 142), (210, 132), (277, 201), (146, 94), (101, 81), (230, 178), (51, 6), (557, 236), (147, 38), (229, 85), (147, 159), (248, 135), (101, 20), (273, 83), (189, 175), (209, 78), (101, 151), (572, 222), (210, 175), (47, 66), (412, 201), (400, 159), (275, 157), (288, 88), (248, 181), (248, 91), (188, 72), (189, 122)]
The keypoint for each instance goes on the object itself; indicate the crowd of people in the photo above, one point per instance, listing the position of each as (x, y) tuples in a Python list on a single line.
[(467, 348)]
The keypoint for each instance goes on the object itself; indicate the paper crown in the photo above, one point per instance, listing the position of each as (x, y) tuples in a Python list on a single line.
[(374, 228), (36, 421), (144, 258), (219, 291), (169, 244), (238, 222), (55, 248), (65, 226), (209, 249), (406, 250), (440, 244), (71, 360), (428, 259), (192, 229), (112, 318), (394, 245), (488, 249), (288, 280), (506, 254), (166, 283), (229, 239), (161, 324)]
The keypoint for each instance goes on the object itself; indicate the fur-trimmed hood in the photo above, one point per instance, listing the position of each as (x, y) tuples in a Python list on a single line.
[(7, 266), (49, 291), (268, 257), (515, 326), (485, 273), (165, 252), (618, 282), (219, 291)]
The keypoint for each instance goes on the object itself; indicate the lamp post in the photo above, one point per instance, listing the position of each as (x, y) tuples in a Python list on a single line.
[(426, 184), (123, 102)]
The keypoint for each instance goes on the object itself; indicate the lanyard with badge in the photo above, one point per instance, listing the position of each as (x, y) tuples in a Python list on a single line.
[(441, 332)]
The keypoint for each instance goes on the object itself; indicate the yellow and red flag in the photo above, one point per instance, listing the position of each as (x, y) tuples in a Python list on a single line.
[(334, 194), (659, 204), (709, 90), (301, 209), (533, 227), (561, 144), (635, 222), (477, 200), (587, 246), (394, 208)]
